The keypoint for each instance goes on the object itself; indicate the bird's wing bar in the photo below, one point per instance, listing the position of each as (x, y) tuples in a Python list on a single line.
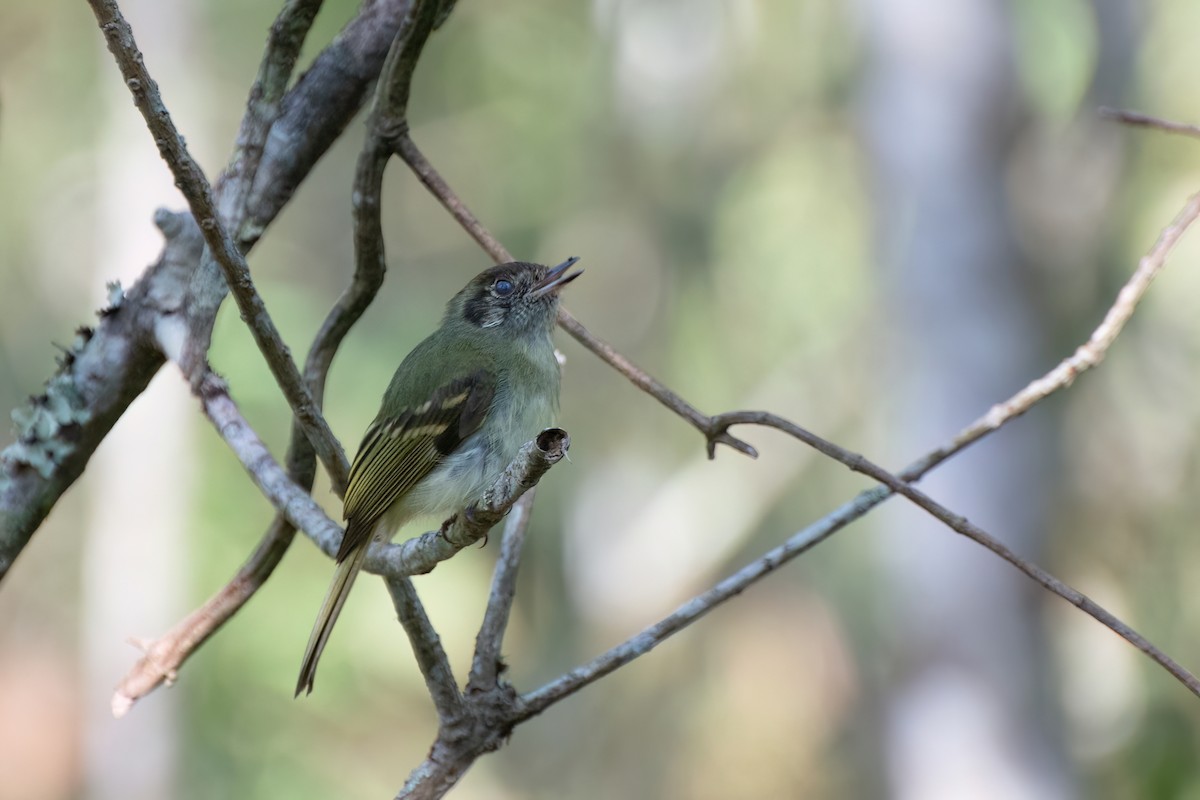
[(400, 449)]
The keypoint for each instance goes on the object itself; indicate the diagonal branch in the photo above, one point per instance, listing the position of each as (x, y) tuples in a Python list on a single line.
[(194, 185), (1086, 356), (1139, 120), (427, 647), (960, 524)]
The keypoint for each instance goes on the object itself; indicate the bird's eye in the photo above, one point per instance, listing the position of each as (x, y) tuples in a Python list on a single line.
[(502, 288)]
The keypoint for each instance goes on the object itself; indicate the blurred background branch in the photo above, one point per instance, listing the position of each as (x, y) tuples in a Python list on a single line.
[(1140, 120)]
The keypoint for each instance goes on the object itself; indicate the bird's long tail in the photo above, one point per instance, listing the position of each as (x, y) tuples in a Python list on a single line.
[(339, 589)]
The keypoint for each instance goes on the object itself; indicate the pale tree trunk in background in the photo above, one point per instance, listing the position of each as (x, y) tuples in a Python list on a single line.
[(965, 714), (138, 482)]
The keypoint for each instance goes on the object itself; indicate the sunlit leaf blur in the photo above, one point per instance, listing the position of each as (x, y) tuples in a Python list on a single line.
[(874, 218)]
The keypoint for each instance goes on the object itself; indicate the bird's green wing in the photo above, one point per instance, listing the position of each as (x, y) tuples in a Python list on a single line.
[(401, 449)]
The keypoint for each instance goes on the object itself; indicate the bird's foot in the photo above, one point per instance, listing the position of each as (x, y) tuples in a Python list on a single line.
[(445, 529), (469, 513)]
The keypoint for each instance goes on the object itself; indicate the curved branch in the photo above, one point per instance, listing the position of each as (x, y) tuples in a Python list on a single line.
[(263, 107)]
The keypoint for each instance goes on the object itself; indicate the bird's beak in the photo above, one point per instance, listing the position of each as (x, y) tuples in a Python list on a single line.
[(556, 279)]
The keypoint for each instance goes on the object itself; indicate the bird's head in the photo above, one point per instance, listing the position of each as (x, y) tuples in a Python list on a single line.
[(513, 298)]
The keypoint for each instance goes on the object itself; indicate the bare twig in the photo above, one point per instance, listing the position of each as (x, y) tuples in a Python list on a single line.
[(486, 665), (390, 115), (191, 181), (1146, 121), (162, 658), (1085, 357), (427, 647), (960, 524), (713, 435), (271, 479), (407, 149)]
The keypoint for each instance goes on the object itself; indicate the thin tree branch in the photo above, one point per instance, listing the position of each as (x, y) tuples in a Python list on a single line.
[(1086, 356), (163, 657), (427, 647), (408, 151), (653, 387), (960, 524), (1139, 120), (487, 665), (390, 115), (191, 181), (422, 553), (272, 480)]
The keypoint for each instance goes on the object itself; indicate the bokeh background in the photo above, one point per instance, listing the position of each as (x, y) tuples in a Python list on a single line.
[(875, 218)]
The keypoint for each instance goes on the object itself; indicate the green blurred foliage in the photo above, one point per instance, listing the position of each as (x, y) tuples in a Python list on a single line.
[(726, 232)]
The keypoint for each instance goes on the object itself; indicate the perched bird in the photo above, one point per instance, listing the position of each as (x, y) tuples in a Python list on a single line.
[(458, 409)]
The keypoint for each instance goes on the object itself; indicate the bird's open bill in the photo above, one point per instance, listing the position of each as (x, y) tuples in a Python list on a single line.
[(556, 278)]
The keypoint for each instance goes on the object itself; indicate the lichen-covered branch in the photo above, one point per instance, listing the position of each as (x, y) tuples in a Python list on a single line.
[(110, 365)]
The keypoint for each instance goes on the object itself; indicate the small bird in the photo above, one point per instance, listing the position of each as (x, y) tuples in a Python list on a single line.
[(455, 414)]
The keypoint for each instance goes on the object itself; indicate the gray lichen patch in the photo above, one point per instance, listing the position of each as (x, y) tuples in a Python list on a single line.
[(45, 424), (115, 297)]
